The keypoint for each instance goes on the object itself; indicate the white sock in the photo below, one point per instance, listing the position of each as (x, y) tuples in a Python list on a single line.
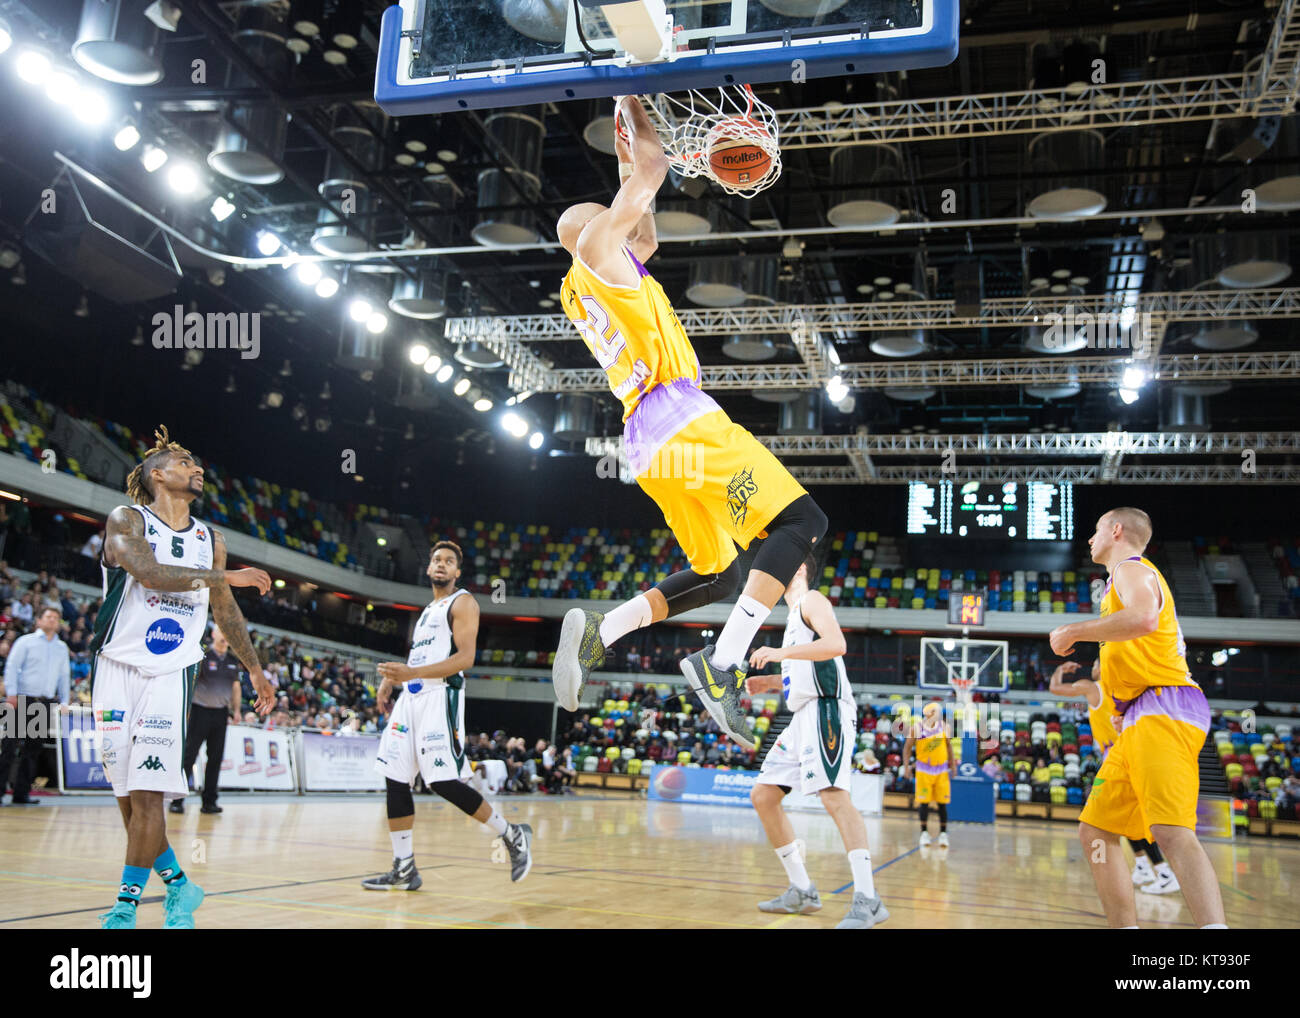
[(860, 863), (497, 822), (403, 844), (793, 863), (630, 615), (1128, 927), (1164, 871), (1215, 926), (742, 626)]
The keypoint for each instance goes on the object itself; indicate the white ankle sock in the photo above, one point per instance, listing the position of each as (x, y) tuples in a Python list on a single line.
[(793, 863), (403, 844), (630, 615), (1215, 926), (497, 822), (1126, 927), (742, 625), (860, 864)]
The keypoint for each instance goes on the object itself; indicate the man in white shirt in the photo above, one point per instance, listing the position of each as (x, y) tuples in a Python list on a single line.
[(38, 671), (93, 545)]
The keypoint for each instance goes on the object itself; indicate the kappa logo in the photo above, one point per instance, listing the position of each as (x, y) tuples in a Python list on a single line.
[(151, 763), (740, 489), (809, 775), (439, 762)]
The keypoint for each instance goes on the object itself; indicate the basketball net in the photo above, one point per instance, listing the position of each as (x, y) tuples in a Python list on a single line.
[(690, 123), (963, 688)]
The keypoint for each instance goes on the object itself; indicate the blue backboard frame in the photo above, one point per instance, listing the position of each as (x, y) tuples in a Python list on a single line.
[(930, 45)]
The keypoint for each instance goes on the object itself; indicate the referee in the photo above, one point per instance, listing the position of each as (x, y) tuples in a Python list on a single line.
[(38, 671), (215, 704)]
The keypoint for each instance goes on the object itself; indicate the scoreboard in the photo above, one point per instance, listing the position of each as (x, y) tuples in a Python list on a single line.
[(1036, 511), (966, 608)]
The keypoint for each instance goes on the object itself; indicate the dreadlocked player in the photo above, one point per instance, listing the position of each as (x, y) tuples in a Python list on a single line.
[(161, 569)]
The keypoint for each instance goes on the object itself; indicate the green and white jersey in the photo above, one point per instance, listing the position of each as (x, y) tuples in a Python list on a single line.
[(155, 631), (805, 681), (432, 642)]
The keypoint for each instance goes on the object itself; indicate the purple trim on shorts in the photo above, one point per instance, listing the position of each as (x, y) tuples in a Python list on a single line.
[(1180, 703), (928, 768), (662, 412)]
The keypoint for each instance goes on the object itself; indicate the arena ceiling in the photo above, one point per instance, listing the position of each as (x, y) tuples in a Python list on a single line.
[(1190, 109)]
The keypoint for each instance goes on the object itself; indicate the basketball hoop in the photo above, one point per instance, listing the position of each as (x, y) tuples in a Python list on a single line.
[(963, 688), (702, 133)]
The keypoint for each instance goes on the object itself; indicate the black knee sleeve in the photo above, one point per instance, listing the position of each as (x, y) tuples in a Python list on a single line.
[(924, 812), (943, 815), (686, 590), (791, 535), (400, 801), (459, 795)]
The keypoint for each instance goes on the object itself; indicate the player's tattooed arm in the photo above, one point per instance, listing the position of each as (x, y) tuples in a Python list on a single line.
[(230, 620), (125, 545)]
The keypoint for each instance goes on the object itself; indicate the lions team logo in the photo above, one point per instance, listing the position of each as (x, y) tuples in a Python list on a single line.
[(740, 489)]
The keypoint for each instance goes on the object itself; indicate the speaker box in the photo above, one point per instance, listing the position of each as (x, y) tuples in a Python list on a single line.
[(111, 253), (967, 288)]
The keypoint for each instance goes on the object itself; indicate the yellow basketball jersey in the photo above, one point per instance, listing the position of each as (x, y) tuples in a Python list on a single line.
[(632, 331), (1157, 659), (1099, 719), (931, 745)]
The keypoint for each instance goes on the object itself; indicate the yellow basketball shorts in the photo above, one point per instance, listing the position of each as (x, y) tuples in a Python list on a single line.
[(1150, 776), (718, 487), (933, 788)]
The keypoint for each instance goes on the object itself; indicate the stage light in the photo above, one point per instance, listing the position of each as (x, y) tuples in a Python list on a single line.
[(360, 309), (127, 137), (327, 287), (153, 157)]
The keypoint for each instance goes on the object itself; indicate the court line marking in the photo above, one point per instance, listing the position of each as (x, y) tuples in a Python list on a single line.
[(891, 862), (1242, 893)]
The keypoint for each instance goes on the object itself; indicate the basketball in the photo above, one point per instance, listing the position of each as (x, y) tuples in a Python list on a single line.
[(738, 160)]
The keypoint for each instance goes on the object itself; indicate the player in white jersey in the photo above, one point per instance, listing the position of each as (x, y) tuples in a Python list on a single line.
[(815, 752), (161, 567), (425, 732)]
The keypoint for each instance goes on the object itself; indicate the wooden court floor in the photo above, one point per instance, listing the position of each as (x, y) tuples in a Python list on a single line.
[(600, 861)]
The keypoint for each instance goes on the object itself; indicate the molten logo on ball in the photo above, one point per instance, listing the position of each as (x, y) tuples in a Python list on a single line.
[(670, 783)]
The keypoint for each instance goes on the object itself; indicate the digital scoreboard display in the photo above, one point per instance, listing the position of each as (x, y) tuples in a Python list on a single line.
[(1036, 511), (966, 609)]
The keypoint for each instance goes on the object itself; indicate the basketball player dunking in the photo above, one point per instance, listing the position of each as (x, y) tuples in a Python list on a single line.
[(160, 568), (736, 490), (815, 751), (425, 733), (1148, 785), (935, 764), (1101, 708)]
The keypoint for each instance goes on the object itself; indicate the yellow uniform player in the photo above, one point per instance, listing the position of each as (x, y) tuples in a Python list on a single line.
[(934, 767), (717, 485), (1148, 785)]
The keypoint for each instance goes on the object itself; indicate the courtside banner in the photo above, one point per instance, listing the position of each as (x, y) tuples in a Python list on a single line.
[(340, 763), (713, 787), (254, 758), (83, 767)]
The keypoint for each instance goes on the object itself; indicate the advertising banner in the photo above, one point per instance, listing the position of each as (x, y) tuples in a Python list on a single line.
[(340, 763)]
